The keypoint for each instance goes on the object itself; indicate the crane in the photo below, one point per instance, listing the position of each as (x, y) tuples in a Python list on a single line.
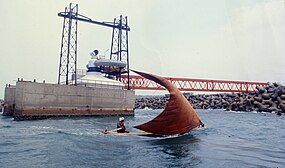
[(68, 52)]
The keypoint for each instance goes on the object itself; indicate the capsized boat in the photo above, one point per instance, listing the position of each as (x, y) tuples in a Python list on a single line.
[(178, 117)]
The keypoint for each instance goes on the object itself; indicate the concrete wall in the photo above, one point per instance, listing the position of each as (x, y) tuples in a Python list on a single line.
[(39, 99), (9, 100)]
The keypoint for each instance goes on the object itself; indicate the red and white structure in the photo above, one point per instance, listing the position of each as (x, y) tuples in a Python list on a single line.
[(189, 84)]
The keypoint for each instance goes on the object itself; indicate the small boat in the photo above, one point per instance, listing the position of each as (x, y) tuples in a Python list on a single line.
[(97, 68), (99, 63), (108, 62)]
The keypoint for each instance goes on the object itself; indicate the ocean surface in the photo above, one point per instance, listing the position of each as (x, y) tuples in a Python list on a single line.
[(230, 139)]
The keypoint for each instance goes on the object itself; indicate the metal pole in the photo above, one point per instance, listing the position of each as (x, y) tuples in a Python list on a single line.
[(68, 43), (112, 42), (88, 20), (61, 49), (75, 52), (118, 42), (120, 39), (128, 60)]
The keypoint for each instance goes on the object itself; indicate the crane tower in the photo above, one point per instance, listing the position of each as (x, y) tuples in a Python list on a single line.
[(68, 52)]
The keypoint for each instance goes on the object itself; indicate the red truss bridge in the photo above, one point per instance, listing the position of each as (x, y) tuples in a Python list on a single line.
[(189, 84)]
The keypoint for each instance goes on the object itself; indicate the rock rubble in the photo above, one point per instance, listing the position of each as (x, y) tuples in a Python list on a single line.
[(264, 99)]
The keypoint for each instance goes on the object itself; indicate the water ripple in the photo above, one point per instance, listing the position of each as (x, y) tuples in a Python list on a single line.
[(229, 140)]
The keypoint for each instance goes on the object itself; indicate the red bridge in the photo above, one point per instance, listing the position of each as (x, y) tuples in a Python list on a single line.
[(188, 84)]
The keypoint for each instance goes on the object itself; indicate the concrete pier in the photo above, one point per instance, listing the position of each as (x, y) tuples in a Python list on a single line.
[(30, 100), (9, 99)]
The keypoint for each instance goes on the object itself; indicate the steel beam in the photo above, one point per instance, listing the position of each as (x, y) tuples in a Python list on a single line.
[(88, 20), (189, 84)]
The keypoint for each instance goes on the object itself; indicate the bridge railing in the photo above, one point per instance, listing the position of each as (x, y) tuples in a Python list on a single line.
[(188, 84)]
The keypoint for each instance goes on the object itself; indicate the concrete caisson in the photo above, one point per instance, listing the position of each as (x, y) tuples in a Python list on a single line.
[(28, 100), (9, 99)]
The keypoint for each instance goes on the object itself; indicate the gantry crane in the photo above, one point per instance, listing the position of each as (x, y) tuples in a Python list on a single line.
[(68, 52)]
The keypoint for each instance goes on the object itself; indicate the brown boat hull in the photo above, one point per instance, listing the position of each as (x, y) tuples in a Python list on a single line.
[(178, 117)]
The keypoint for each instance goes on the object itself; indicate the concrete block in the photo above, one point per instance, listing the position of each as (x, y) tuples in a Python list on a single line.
[(42, 99)]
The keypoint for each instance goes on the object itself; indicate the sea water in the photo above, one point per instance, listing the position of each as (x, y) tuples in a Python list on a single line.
[(230, 139)]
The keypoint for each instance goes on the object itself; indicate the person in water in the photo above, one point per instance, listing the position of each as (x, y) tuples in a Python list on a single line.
[(202, 125), (121, 126)]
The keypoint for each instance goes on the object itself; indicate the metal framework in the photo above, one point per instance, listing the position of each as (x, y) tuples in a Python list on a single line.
[(188, 84), (119, 51), (68, 49), (68, 52), (119, 45)]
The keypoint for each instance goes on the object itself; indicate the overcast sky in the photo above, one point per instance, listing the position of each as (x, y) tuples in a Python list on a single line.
[(220, 39)]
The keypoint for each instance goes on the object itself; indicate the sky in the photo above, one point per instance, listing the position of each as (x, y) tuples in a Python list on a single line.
[(221, 39)]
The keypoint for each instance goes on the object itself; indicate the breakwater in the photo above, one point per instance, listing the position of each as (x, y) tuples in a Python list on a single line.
[(264, 99)]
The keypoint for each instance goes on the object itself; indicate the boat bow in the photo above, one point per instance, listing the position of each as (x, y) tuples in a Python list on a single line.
[(178, 117)]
